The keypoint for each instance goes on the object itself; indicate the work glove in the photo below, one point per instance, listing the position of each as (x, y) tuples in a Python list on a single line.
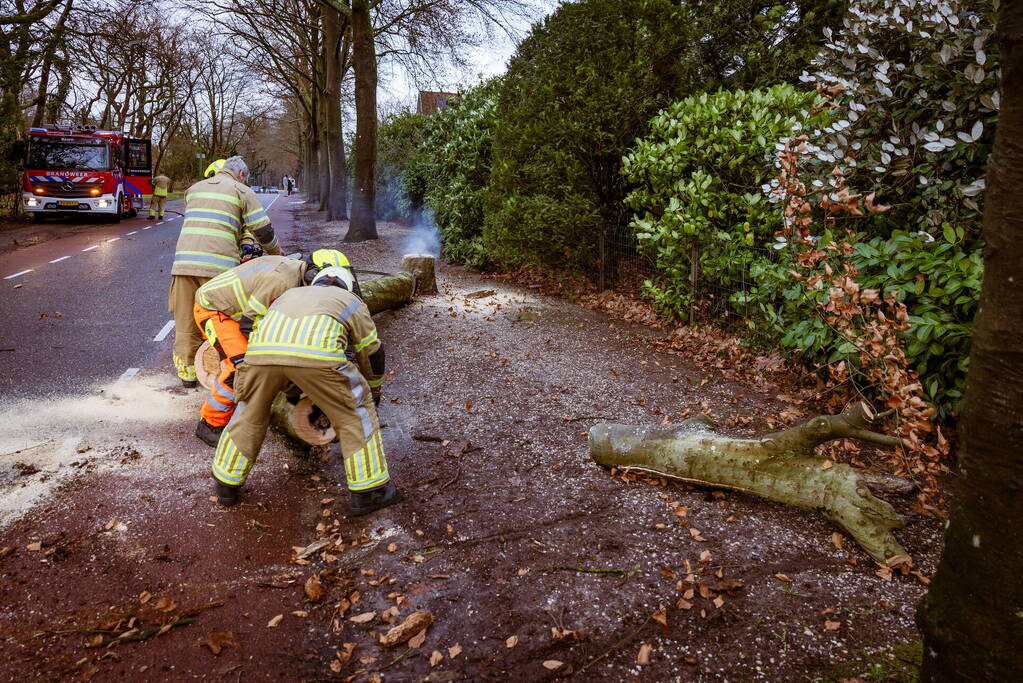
[(250, 251)]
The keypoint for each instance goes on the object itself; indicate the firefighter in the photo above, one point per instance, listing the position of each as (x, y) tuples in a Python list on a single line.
[(158, 202), (218, 212), (227, 307), (308, 337)]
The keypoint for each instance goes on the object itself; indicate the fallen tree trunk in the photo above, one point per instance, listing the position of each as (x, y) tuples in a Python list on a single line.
[(780, 466), (382, 294)]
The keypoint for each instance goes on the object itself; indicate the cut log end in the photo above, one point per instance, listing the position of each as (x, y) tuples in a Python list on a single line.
[(422, 266), (207, 365), (309, 424)]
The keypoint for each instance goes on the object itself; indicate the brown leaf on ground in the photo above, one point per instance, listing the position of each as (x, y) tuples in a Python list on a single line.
[(838, 540), (417, 641), (706, 556), (34, 547), (832, 625), (682, 603), (512, 641), (783, 577), (391, 547), (166, 605), (436, 658), (552, 664), (145, 596), (454, 650), (5, 551), (218, 640), (414, 624), (661, 617), (468, 405), (342, 656), (362, 618), (275, 622), (643, 658), (314, 589), (695, 533)]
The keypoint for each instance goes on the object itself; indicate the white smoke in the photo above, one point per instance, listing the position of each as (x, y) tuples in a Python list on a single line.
[(425, 236)]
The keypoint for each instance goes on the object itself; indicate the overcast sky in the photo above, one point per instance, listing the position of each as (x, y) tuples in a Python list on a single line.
[(396, 92)]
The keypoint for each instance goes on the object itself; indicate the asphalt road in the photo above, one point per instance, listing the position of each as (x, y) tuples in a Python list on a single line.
[(88, 309)]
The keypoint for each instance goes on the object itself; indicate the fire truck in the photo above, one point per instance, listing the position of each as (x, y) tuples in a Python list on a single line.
[(81, 170)]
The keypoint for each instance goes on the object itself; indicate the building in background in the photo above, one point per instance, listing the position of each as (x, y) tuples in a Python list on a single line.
[(433, 102)]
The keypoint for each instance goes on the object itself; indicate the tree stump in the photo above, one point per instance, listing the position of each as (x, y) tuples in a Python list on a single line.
[(422, 267)]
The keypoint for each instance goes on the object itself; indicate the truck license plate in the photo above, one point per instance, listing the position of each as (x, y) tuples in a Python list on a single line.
[(73, 205)]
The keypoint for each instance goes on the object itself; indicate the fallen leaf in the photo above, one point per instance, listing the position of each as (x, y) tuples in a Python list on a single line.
[(661, 616), (273, 623), (695, 533), (643, 658), (145, 596), (827, 465), (314, 590), (455, 650), (682, 603), (436, 658), (95, 641), (166, 605), (512, 641), (832, 625), (416, 641), (523, 571), (34, 547), (838, 540), (302, 614), (218, 640), (705, 556), (362, 618), (552, 664), (111, 524), (392, 547), (783, 577), (468, 405), (719, 601), (414, 624)]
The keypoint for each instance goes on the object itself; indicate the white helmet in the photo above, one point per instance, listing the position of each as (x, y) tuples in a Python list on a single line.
[(340, 276)]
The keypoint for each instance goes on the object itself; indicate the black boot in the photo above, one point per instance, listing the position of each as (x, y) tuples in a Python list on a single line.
[(207, 433), (365, 502), (227, 495), (190, 383)]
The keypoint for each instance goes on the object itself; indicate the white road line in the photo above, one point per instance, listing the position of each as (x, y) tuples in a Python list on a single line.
[(272, 203), (160, 223), (11, 277), (133, 232), (58, 260), (95, 246), (162, 334), (147, 227), (113, 239), (128, 374)]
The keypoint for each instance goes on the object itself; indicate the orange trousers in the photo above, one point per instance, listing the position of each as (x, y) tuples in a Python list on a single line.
[(230, 342)]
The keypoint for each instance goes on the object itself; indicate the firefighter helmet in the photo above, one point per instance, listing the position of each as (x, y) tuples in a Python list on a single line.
[(334, 275), (323, 258), (216, 167)]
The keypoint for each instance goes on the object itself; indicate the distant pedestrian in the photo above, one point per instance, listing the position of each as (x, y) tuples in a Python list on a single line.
[(158, 202), (289, 184)]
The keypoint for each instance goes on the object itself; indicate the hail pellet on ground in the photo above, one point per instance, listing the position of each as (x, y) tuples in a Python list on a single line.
[(82, 170)]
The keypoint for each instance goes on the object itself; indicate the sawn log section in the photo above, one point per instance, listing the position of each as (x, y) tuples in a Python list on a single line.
[(780, 466)]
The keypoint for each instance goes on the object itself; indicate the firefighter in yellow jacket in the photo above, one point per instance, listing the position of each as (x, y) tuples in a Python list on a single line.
[(158, 202), (307, 337), (227, 308), (218, 213)]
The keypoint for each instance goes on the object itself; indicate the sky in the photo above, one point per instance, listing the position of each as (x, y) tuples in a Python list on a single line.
[(396, 92)]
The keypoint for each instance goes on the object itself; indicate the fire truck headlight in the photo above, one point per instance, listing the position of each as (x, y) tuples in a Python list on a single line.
[(102, 203), (31, 201)]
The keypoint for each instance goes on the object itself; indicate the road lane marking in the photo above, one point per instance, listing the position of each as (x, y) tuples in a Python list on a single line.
[(133, 232), (147, 227), (11, 277), (95, 246), (58, 260), (128, 374), (272, 203), (164, 331), (113, 239)]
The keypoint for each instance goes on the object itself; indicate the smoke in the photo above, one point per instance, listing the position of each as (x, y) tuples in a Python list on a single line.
[(425, 236)]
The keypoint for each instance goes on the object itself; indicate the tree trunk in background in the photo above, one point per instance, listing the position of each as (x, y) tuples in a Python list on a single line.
[(972, 618), (323, 155), (337, 199), (363, 225)]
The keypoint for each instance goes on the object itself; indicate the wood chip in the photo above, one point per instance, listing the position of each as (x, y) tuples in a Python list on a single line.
[(436, 658), (414, 624), (512, 641), (34, 547), (643, 658), (362, 618), (417, 641), (552, 664), (273, 623)]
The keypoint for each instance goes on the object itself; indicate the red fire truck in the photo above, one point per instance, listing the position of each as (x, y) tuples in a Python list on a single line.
[(81, 170)]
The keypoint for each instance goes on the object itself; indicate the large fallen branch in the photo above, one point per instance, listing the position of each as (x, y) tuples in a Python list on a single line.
[(780, 466)]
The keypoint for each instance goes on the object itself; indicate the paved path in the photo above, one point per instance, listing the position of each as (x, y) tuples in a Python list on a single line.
[(89, 308)]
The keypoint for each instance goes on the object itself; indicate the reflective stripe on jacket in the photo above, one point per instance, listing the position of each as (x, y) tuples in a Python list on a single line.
[(314, 327), (247, 290), (161, 184), (217, 212)]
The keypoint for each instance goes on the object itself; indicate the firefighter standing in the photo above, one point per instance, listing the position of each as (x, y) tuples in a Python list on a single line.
[(218, 212), (307, 337), (158, 202), (226, 309)]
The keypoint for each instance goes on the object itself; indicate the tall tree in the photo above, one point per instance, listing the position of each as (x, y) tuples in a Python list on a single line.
[(972, 618), (363, 225)]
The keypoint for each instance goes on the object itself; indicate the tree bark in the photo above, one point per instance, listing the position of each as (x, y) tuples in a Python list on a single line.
[(422, 268), (972, 617), (337, 195), (779, 466), (363, 224)]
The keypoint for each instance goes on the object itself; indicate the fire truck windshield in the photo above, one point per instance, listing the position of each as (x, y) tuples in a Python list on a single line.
[(56, 155)]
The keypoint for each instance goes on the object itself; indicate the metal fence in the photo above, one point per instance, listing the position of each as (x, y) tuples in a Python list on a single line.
[(724, 295)]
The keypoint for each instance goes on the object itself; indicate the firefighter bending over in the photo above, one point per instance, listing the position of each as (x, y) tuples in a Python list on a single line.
[(307, 337), (218, 212), (226, 309), (158, 202)]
